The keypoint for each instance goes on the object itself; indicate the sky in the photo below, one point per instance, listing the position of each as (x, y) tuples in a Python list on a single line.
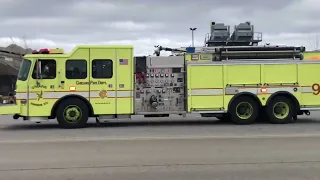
[(145, 23)]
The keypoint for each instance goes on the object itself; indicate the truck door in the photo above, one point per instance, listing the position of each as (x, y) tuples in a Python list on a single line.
[(103, 80), (40, 91), (73, 76)]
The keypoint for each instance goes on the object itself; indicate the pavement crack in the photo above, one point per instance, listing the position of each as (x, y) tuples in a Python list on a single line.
[(157, 165)]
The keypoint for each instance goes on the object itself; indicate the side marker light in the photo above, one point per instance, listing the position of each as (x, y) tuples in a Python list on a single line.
[(72, 88), (263, 90)]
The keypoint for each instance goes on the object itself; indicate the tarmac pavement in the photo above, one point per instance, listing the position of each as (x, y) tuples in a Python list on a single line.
[(172, 148)]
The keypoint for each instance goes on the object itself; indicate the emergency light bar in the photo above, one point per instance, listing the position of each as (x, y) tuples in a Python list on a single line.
[(47, 51)]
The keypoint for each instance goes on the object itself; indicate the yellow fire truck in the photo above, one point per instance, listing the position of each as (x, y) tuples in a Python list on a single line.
[(109, 82), (236, 82)]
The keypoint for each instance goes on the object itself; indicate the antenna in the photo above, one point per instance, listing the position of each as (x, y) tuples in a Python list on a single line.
[(25, 43), (12, 43), (317, 43)]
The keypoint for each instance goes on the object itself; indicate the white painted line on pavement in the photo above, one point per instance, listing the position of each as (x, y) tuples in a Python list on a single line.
[(101, 139)]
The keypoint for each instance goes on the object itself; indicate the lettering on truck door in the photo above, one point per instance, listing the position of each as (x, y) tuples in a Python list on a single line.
[(103, 83), (41, 88)]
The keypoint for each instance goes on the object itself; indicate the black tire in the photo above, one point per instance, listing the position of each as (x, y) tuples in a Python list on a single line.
[(72, 106), (280, 106), (248, 117)]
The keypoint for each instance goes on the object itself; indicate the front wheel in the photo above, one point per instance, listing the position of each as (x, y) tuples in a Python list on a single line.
[(280, 110), (72, 113), (244, 110)]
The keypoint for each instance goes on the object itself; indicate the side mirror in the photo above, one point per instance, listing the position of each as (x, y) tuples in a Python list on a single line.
[(38, 69)]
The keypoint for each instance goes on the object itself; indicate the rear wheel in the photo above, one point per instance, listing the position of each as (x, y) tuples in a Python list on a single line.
[(244, 110), (72, 113), (280, 110)]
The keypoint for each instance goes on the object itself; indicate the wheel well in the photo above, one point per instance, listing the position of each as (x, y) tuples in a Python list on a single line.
[(56, 105), (287, 95), (246, 94)]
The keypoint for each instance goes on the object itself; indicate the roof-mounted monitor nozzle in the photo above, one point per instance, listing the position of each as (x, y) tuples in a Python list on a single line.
[(161, 48)]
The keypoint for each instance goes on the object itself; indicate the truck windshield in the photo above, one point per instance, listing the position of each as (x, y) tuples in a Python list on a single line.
[(24, 70)]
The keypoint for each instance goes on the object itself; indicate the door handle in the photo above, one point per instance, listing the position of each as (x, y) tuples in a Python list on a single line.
[(61, 84)]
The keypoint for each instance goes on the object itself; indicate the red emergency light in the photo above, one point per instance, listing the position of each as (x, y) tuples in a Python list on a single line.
[(35, 52), (44, 51), (41, 51)]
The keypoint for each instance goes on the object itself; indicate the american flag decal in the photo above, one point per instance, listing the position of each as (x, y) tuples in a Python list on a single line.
[(123, 61)]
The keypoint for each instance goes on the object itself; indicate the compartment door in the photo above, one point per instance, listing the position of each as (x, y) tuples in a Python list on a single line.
[(103, 80), (124, 82)]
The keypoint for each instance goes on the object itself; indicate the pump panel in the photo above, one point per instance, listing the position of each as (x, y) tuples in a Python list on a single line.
[(162, 91), (160, 88)]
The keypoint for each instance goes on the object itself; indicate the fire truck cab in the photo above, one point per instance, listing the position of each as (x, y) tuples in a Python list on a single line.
[(96, 79)]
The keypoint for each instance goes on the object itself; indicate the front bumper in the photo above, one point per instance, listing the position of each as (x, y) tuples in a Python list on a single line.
[(6, 109)]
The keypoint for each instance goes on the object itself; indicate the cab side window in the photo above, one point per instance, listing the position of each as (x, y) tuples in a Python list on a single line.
[(48, 69), (102, 68), (76, 69)]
